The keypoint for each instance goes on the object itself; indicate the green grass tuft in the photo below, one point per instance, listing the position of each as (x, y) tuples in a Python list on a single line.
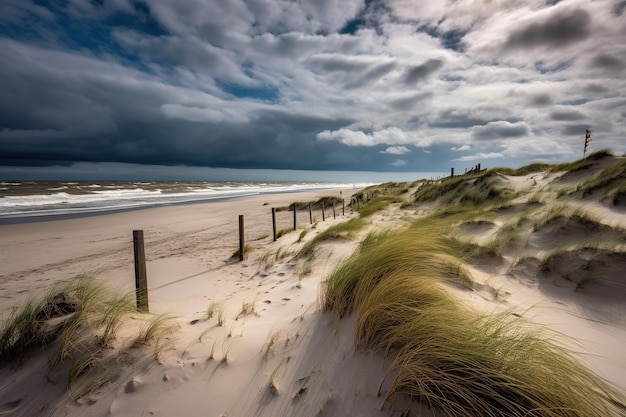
[(342, 230), (449, 357), (611, 174), (378, 204)]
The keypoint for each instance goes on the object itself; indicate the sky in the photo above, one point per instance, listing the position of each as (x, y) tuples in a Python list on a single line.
[(360, 85)]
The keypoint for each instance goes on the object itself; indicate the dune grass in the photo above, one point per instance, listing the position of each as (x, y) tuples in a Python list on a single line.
[(78, 324), (378, 204), (447, 356), (63, 313), (432, 190), (566, 212), (342, 230), (610, 175), (583, 163), (525, 170), (469, 190)]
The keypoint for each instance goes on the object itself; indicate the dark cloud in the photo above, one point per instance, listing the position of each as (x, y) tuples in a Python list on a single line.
[(619, 7), (559, 30), (457, 120), (605, 61), (253, 83), (352, 72), (575, 130), (420, 72), (408, 103), (595, 88), (566, 115), (371, 75), (540, 100), (500, 130)]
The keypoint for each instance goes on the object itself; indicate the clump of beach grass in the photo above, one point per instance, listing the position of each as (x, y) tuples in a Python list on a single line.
[(247, 248), (608, 176), (378, 204), (447, 356), (343, 230), (65, 313), (247, 309), (77, 322)]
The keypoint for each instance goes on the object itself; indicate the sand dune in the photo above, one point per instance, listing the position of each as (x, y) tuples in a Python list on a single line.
[(251, 338)]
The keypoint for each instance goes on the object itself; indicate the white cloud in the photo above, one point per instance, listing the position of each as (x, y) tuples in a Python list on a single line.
[(389, 136), (461, 148), (396, 150), (480, 156)]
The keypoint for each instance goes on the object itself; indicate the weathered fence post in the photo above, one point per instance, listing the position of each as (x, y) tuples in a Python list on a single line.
[(294, 217), (478, 166), (452, 172), (141, 278), (274, 223), (343, 207), (241, 237), (323, 213), (310, 214), (334, 213)]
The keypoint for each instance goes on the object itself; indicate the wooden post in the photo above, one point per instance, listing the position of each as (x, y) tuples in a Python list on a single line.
[(323, 213), (343, 207), (274, 223), (452, 172), (294, 217), (241, 237), (310, 214), (141, 278), (478, 166), (334, 213)]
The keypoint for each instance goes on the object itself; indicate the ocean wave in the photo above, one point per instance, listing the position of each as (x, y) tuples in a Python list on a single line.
[(72, 198)]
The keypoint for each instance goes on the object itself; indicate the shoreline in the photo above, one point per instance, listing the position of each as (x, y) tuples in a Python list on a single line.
[(200, 235), (85, 213)]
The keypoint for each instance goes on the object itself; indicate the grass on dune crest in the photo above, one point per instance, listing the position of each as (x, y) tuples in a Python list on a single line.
[(583, 163), (378, 204), (472, 189), (450, 357), (612, 174), (343, 230), (78, 323)]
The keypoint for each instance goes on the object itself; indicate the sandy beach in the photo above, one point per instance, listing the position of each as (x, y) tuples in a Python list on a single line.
[(250, 338)]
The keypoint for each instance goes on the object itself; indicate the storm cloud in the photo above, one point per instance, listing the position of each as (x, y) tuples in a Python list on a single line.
[(330, 85)]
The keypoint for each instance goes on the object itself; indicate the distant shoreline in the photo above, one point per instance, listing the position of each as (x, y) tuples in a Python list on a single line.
[(38, 218)]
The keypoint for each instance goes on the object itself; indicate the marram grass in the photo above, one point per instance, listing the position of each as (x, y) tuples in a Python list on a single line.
[(77, 323), (447, 356)]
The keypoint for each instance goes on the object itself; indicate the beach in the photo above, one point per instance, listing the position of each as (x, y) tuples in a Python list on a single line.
[(252, 337)]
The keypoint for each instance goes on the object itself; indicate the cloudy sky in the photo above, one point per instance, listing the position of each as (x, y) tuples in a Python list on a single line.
[(369, 85)]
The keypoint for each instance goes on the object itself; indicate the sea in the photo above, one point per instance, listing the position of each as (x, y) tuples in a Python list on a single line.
[(28, 200)]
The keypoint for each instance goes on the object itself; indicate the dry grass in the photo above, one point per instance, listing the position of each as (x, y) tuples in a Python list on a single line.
[(78, 323), (343, 230), (378, 204), (449, 357)]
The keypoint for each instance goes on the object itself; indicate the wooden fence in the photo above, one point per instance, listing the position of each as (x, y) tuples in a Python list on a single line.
[(281, 220)]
